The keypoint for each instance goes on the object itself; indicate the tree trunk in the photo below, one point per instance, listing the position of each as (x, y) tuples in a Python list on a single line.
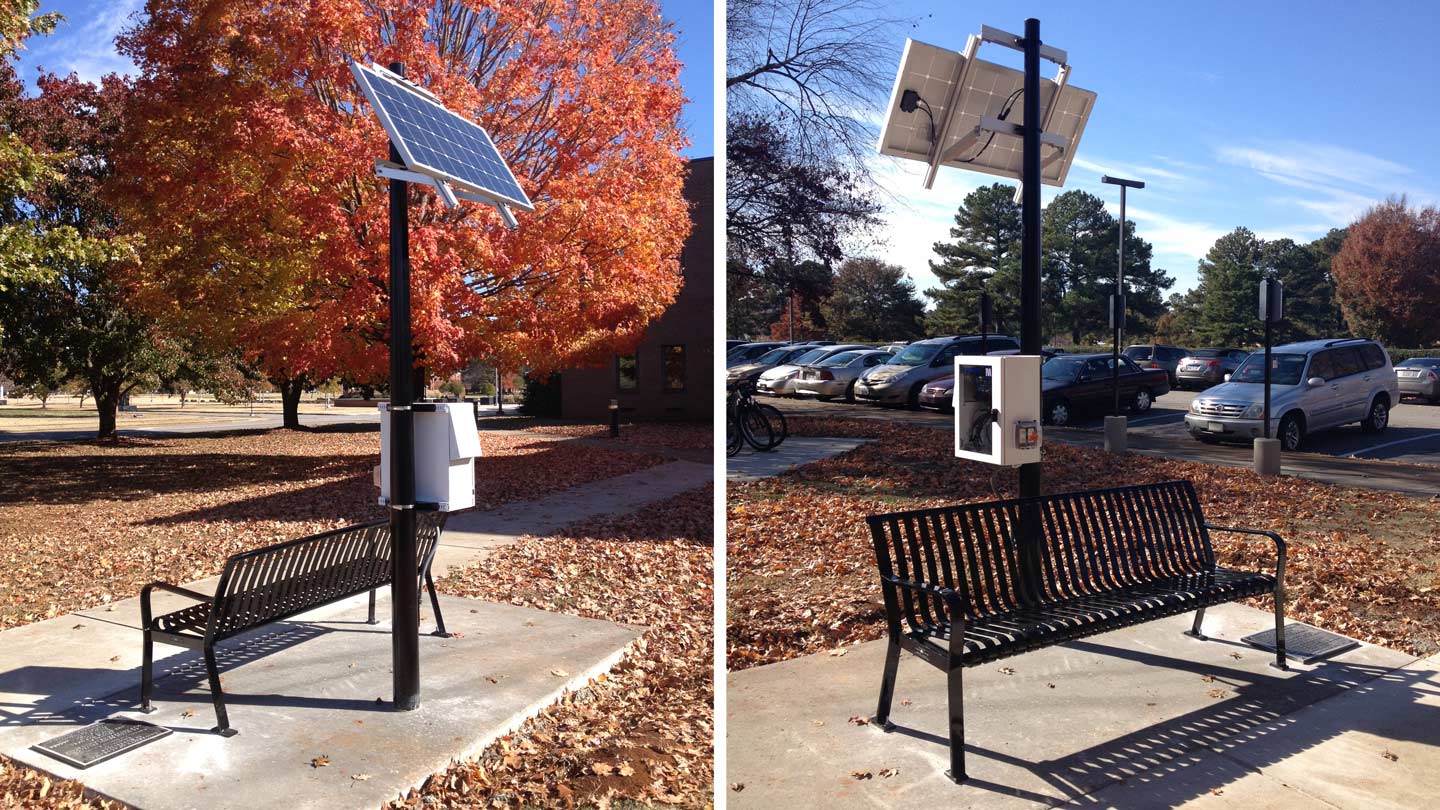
[(45, 401), (107, 401), (290, 391)]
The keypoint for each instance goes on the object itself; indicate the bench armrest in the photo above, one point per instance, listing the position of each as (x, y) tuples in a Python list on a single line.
[(954, 605), (165, 586), (952, 599), (1275, 537)]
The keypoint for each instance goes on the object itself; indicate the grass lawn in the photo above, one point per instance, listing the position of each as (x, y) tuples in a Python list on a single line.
[(801, 567), (641, 734)]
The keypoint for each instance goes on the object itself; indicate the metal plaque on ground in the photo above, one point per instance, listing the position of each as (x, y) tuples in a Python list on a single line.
[(1304, 643), (100, 741)]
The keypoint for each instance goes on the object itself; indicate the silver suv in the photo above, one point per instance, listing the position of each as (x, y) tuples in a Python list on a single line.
[(1314, 385), (899, 381)]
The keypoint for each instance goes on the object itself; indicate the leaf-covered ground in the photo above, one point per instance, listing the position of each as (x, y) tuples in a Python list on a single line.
[(801, 568), (643, 733), (85, 523), (672, 435), (24, 789)]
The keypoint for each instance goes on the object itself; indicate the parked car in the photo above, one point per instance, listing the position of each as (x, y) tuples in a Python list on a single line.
[(1314, 385), (896, 346), (1074, 383), (1419, 377), (779, 381), (746, 352), (749, 372), (899, 381), (835, 376), (1203, 368), (940, 394), (730, 344), (1158, 355)]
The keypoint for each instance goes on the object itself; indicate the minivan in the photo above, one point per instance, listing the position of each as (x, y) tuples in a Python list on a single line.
[(899, 381)]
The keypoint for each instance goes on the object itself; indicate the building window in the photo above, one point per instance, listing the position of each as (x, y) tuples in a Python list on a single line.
[(672, 367), (627, 372)]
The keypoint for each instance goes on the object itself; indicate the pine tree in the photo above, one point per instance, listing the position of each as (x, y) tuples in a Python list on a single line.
[(986, 244), (1230, 277)]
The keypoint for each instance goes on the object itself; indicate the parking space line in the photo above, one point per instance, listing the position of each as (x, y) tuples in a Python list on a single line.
[(1357, 453), (1153, 418)]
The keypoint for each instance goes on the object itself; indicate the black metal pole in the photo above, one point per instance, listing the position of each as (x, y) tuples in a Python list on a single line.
[(1030, 326), (1266, 415), (404, 583), (1117, 314)]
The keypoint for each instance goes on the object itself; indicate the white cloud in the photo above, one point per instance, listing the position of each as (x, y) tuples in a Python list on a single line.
[(85, 44), (1131, 170), (1340, 182)]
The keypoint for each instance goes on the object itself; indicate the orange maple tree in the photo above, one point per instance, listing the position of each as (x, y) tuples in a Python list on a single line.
[(248, 167)]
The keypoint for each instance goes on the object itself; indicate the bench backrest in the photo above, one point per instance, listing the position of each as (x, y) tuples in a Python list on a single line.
[(1090, 542), (279, 581)]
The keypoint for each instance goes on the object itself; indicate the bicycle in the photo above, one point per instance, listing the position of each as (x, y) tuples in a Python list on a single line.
[(760, 425)]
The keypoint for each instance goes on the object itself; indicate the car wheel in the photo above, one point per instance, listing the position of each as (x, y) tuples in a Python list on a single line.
[(1378, 418), (1142, 401), (850, 392), (914, 400), (1292, 433), (1057, 413)]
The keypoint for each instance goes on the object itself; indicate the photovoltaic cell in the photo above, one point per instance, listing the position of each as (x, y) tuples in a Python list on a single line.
[(433, 140)]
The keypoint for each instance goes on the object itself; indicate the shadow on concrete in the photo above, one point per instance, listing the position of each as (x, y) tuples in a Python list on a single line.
[(175, 678), (1172, 758)]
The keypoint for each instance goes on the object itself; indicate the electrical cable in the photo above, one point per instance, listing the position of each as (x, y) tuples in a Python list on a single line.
[(1004, 113), (925, 105)]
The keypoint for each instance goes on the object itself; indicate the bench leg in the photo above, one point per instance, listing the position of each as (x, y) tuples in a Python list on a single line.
[(955, 687), (1194, 630), (887, 687), (147, 674), (372, 619), (222, 719), (435, 606), (1280, 628)]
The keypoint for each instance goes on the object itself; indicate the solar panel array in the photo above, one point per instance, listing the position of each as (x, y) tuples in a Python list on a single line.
[(989, 89), (435, 141)]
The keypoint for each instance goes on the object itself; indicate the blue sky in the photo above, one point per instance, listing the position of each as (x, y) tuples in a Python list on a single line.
[(84, 44), (1288, 119)]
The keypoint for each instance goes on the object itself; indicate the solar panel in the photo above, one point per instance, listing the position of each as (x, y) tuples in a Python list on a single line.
[(959, 93), (442, 145)]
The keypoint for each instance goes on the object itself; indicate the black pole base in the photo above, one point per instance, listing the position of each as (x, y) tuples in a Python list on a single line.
[(1193, 634), (959, 780), (408, 704)]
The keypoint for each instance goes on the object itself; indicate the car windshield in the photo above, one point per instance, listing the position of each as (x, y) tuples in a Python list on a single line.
[(1061, 368), (1285, 369), (774, 356), (1137, 352), (839, 359), (809, 357), (915, 354), (1421, 362)]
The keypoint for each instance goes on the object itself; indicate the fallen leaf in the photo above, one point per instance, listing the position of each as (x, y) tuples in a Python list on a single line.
[(559, 673), (1217, 693), (601, 768), (1391, 755), (320, 762), (860, 721), (737, 786), (360, 777), (888, 772), (861, 775)]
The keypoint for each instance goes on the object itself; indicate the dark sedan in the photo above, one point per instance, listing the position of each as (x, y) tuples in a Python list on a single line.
[(1080, 382)]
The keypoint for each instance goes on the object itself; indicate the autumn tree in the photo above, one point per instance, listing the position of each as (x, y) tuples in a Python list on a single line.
[(22, 166), (250, 154), (1387, 274), (873, 301)]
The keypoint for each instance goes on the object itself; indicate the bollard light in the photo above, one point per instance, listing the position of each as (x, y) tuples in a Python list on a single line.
[(614, 418)]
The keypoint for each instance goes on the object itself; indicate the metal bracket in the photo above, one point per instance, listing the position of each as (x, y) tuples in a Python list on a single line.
[(393, 408), (402, 506), (992, 124), (1016, 42), (451, 196)]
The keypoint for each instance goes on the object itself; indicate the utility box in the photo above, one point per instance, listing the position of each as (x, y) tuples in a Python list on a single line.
[(446, 446), (997, 408)]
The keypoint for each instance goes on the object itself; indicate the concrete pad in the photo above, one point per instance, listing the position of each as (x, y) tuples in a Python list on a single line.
[(1064, 723), (468, 536), (303, 689), (796, 451)]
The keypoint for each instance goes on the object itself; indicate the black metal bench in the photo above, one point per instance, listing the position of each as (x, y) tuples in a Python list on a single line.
[(962, 587), (276, 582)]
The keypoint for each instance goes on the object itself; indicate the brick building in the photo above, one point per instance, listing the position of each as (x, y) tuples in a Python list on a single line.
[(669, 377)]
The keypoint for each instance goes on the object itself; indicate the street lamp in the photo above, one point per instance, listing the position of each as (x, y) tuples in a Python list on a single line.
[(1117, 310)]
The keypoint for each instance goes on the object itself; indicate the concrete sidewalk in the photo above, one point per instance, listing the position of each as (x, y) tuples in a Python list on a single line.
[(469, 536), (796, 451), (315, 686), (1137, 718)]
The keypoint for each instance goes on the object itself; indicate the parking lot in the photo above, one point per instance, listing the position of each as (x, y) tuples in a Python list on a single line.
[(1413, 436)]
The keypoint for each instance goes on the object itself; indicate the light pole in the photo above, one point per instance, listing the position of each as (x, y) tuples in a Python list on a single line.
[(1117, 300)]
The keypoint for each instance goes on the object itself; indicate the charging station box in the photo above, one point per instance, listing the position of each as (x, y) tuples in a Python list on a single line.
[(997, 408), (446, 446)]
